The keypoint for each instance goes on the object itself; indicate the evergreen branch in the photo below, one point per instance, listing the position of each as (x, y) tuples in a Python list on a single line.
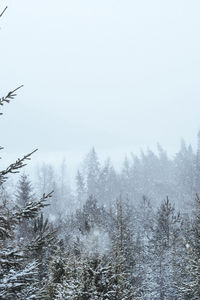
[(3, 11), (14, 167), (40, 241), (11, 95), (32, 209)]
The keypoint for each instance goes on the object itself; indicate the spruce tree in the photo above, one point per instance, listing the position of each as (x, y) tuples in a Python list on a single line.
[(24, 192), (166, 231), (188, 283), (80, 189)]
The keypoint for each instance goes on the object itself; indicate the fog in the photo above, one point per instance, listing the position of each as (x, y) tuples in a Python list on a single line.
[(116, 75)]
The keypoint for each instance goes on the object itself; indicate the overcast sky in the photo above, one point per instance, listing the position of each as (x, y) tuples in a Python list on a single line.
[(117, 75)]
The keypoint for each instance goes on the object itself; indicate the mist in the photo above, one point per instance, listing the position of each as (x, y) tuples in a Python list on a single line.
[(116, 76)]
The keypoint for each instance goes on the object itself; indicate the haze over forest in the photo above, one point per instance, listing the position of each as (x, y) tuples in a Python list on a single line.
[(116, 76), (109, 207)]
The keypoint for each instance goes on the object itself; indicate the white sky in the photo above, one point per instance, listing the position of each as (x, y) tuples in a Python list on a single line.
[(117, 75)]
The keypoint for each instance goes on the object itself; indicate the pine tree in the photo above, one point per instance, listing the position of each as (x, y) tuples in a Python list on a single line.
[(40, 245), (125, 253), (24, 191), (184, 176), (189, 268), (24, 196), (80, 189), (108, 184), (127, 179), (78, 277), (120, 286), (92, 166), (161, 252), (19, 272)]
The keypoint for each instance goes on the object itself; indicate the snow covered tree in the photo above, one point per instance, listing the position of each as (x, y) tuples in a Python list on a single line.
[(188, 282), (24, 195), (161, 252), (184, 176), (127, 179), (92, 214), (18, 270), (80, 189), (24, 191), (41, 243), (108, 184), (126, 256), (82, 277), (92, 169)]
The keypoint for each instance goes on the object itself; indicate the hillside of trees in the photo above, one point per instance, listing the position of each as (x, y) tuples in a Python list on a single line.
[(133, 234)]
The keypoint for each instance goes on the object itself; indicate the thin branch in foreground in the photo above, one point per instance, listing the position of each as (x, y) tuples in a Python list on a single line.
[(11, 95), (14, 167), (3, 11)]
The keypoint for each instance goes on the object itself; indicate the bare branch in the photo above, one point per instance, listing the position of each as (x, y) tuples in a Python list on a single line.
[(3, 11)]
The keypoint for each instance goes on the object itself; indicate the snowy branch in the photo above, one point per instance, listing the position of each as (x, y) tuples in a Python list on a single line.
[(14, 167), (32, 208)]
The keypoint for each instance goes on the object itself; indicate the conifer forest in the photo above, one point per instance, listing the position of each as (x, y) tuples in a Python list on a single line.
[(128, 233)]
